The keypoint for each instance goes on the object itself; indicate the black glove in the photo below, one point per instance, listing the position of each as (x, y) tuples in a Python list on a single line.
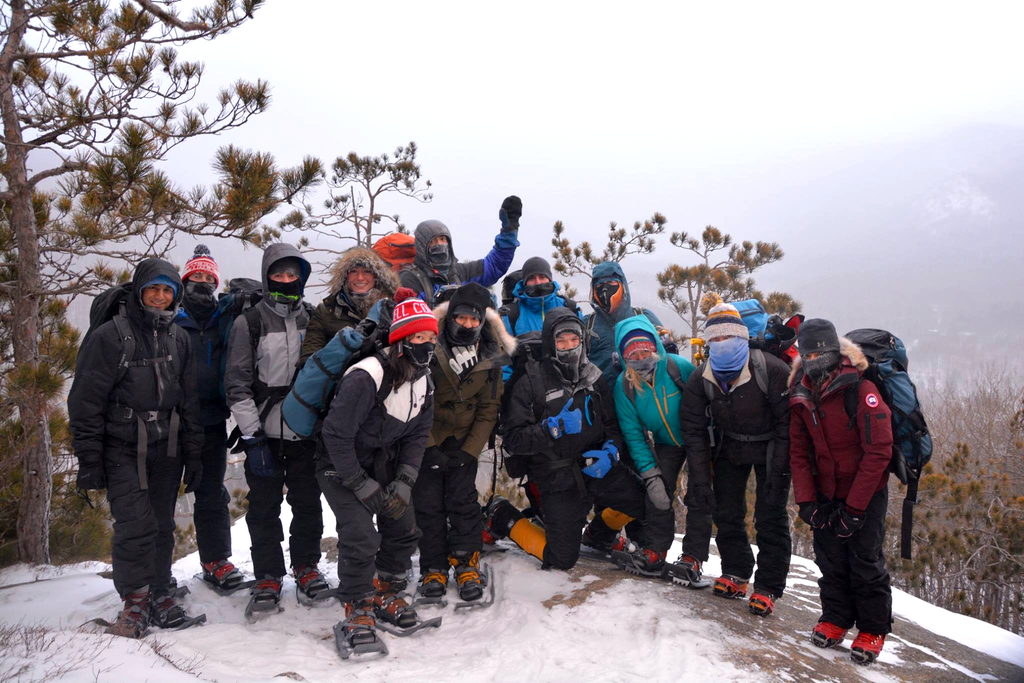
[(816, 516), (258, 455), (398, 494), (193, 474), (700, 498), (368, 491), (510, 213), (776, 490), (91, 476), (846, 523), (366, 327), (655, 486)]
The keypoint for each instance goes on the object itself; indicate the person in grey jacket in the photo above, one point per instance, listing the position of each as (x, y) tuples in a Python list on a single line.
[(263, 353)]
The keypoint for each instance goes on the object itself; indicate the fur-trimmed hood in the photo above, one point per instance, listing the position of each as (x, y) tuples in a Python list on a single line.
[(851, 353), (386, 280), (494, 329)]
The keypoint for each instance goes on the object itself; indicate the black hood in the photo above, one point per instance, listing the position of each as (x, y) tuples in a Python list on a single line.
[(554, 318), (426, 231), (147, 271), (278, 251)]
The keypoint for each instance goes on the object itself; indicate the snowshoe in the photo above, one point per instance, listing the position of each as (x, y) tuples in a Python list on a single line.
[(686, 571), (761, 604), (165, 612), (728, 586), (486, 599), (432, 589), (133, 621), (357, 633), (645, 562), (866, 647), (311, 588), (223, 577), (264, 599), (827, 634), (394, 614)]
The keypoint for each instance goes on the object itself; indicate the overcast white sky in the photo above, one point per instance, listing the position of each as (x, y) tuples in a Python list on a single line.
[(598, 111)]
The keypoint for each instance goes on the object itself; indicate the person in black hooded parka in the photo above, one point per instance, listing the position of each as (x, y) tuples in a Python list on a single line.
[(135, 428)]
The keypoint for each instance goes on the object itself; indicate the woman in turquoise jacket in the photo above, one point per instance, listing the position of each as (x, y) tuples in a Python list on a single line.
[(648, 394)]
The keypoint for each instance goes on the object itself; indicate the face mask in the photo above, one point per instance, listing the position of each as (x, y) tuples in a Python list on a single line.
[(819, 368), (199, 297), (644, 366), (285, 292), (419, 355), (568, 363), (543, 289), (461, 336), (728, 357), (605, 295), (440, 256)]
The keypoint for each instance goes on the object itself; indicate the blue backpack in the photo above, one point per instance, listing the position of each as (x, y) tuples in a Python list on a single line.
[(911, 442), (755, 318)]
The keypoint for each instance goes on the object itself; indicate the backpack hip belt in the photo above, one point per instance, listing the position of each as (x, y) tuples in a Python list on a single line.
[(124, 415)]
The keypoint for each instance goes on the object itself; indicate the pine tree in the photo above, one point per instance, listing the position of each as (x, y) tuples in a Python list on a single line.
[(92, 95), (687, 288), (356, 187)]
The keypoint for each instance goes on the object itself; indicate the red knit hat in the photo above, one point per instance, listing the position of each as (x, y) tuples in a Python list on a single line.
[(411, 315), (201, 262)]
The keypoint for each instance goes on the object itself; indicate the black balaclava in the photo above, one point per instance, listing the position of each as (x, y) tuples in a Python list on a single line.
[(286, 292), (456, 334), (199, 299), (569, 363), (419, 355), (818, 336)]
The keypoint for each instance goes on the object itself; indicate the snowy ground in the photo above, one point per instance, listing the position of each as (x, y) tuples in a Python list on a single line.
[(546, 626)]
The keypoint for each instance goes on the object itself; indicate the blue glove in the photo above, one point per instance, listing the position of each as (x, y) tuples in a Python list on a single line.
[(258, 455), (600, 462), (568, 421)]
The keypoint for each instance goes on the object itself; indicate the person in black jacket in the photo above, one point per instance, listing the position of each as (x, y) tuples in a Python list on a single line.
[(208, 324), (369, 458), (750, 421), (134, 425), (563, 419)]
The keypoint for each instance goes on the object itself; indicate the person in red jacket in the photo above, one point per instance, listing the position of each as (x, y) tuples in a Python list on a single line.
[(840, 445)]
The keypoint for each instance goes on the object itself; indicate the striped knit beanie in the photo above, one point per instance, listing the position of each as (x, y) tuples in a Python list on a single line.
[(411, 315), (725, 321), (201, 262)]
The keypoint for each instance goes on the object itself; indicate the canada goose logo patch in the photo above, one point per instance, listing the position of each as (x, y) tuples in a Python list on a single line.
[(871, 400)]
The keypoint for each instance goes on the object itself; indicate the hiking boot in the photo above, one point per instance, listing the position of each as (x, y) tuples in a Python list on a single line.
[(133, 621), (690, 568), (389, 605), (310, 581), (165, 612), (433, 583), (619, 545), (500, 516), (267, 589), (827, 634), (360, 624), (221, 574), (591, 540), (646, 561), (467, 574), (728, 586), (761, 604), (866, 647)]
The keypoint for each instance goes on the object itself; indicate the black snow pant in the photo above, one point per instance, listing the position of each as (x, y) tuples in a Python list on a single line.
[(210, 513), (771, 525), (363, 548), (660, 525), (447, 508), (263, 518), (143, 518), (568, 496), (854, 581)]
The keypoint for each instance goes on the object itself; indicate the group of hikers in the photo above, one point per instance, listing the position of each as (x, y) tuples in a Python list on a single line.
[(596, 413)]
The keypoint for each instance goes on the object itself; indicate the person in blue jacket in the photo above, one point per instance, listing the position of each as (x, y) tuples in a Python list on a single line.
[(435, 265), (648, 395), (609, 294), (534, 295)]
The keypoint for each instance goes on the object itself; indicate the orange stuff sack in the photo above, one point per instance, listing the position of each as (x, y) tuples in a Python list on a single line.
[(397, 248)]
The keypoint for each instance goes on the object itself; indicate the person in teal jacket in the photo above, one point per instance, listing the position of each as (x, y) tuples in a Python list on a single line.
[(648, 395)]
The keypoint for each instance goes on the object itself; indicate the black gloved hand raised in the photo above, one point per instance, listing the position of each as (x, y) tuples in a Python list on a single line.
[(510, 213)]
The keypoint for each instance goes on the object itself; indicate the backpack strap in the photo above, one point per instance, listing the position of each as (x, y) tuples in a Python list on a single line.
[(512, 311), (757, 362), (124, 334)]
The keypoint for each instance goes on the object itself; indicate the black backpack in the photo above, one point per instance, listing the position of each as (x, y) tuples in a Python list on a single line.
[(526, 362), (112, 304)]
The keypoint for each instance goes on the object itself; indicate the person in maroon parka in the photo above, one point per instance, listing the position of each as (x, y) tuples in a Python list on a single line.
[(840, 446)]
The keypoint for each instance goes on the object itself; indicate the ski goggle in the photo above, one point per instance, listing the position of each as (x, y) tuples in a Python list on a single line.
[(608, 295)]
